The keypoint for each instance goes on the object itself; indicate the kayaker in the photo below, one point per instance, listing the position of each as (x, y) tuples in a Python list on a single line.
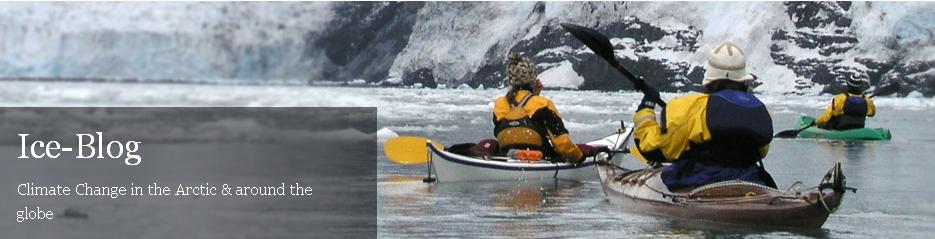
[(523, 119), (849, 109), (710, 137)]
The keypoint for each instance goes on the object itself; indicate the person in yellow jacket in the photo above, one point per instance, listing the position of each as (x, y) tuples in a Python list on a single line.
[(523, 119), (714, 136), (848, 110)]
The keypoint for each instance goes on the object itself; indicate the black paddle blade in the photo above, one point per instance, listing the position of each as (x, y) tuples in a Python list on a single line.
[(792, 133), (600, 45), (597, 42)]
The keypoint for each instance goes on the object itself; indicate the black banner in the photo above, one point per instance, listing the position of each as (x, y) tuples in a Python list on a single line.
[(187, 172)]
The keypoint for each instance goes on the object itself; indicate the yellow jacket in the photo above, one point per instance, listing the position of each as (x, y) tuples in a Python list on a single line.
[(542, 110), (685, 125), (837, 108)]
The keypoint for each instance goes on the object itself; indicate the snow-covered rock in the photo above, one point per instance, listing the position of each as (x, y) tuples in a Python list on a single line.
[(794, 47)]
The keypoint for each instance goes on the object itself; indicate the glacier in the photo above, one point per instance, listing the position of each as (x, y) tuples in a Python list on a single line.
[(802, 48), (159, 40)]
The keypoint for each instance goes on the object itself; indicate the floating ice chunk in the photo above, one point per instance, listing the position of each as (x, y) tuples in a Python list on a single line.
[(357, 82), (394, 80), (562, 76), (385, 134)]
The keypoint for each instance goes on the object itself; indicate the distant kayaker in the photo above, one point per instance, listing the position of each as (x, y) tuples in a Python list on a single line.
[(525, 120), (710, 137), (848, 110)]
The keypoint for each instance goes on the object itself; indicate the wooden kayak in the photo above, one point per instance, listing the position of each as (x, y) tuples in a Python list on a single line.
[(731, 202)]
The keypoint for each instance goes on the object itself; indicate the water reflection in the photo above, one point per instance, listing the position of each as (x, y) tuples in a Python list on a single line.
[(841, 151), (533, 196), (855, 155), (405, 195), (686, 227), (519, 208)]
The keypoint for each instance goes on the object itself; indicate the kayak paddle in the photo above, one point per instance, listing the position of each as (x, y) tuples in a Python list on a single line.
[(408, 150), (600, 45), (792, 133)]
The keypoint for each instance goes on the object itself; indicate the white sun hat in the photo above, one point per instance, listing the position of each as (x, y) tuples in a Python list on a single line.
[(726, 62)]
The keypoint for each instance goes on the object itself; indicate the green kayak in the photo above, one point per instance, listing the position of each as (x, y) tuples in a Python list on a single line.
[(853, 134)]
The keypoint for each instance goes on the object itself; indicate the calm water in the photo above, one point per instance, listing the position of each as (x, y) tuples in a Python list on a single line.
[(894, 198)]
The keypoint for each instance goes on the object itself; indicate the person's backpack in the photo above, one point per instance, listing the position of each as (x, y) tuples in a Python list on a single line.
[(855, 105), (517, 130), (855, 113)]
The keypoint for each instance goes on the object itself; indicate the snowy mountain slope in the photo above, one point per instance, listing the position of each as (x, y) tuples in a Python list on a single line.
[(794, 47)]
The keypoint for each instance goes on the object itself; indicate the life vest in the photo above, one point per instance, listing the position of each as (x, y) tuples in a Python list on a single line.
[(739, 125), (855, 105), (517, 130), (854, 114)]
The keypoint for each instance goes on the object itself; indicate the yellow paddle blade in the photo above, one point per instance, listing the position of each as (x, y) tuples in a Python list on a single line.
[(408, 150), (636, 154)]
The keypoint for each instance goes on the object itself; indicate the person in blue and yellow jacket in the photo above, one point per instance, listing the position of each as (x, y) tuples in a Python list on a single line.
[(710, 137), (848, 110), (525, 120)]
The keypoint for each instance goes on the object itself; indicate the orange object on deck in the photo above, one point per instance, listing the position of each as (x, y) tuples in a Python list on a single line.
[(525, 154)]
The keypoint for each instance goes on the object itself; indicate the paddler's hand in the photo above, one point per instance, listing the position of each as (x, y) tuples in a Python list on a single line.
[(650, 97), (590, 151), (601, 149)]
